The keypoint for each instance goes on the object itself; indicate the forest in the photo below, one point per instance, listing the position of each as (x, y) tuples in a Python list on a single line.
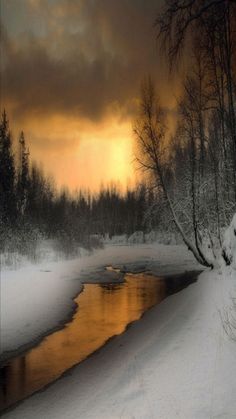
[(33, 209), (189, 183), (194, 171), (118, 209)]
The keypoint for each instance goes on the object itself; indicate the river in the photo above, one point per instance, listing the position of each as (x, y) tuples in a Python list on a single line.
[(103, 311)]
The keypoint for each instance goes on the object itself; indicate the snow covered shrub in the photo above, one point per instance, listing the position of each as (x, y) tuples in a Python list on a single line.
[(95, 241), (121, 239), (229, 244), (136, 238)]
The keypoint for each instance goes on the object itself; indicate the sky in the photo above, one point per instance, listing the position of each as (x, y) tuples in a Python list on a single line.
[(71, 72)]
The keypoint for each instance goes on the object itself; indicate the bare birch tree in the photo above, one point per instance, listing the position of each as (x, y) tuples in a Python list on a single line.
[(150, 133)]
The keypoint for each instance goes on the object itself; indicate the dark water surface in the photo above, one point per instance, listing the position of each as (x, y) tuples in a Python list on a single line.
[(104, 310)]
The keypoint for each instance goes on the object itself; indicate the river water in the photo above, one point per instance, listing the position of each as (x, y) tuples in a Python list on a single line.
[(103, 311)]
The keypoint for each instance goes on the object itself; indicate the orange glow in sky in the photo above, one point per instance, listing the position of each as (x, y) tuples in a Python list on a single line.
[(81, 154), (70, 78)]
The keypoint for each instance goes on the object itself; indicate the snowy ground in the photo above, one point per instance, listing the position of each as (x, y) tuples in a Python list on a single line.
[(36, 298), (177, 362)]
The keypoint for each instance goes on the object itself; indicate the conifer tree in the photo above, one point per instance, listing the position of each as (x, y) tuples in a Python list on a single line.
[(7, 174), (23, 175)]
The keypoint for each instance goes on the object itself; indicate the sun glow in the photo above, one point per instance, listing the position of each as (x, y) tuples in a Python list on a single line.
[(81, 154), (105, 155)]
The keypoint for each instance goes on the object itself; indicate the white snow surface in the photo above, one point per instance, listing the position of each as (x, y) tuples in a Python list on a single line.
[(36, 298), (177, 362)]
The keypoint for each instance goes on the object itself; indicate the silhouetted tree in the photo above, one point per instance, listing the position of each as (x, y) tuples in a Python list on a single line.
[(23, 175), (7, 174)]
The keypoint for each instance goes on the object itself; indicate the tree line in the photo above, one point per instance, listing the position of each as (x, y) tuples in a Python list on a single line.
[(190, 178), (32, 208)]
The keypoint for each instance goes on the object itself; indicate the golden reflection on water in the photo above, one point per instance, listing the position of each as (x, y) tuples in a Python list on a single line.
[(104, 311)]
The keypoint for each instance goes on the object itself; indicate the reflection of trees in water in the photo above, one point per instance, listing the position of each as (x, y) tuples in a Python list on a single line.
[(12, 381), (177, 283), (111, 287), (3, 384)]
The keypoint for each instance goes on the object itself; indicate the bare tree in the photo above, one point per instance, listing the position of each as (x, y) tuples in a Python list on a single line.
[(207, 108), (150, 134), (178, 17), (216, 21)]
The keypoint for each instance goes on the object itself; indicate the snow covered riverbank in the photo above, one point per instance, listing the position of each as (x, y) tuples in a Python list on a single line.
[(38, 298), (177, 362)]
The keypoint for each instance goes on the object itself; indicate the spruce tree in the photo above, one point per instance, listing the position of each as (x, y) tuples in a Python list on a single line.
[(7, 175), (23, 175)]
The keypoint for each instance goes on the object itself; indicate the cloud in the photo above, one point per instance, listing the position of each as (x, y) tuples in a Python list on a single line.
[(78, 58)]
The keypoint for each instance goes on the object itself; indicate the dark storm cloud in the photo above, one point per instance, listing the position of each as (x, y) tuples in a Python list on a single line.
[(78, 57)]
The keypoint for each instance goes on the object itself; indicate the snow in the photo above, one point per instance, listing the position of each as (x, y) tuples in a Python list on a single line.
[(177, 362), (229, 245), (36, 298), (139, 237)]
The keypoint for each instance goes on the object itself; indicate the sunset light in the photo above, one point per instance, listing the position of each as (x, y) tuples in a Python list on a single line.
[(118, 209)]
